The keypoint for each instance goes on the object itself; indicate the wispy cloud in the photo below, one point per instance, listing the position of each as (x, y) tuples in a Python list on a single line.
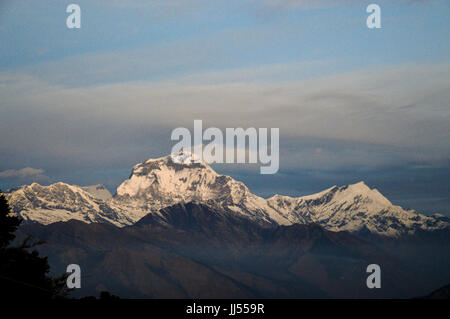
[(22, 173), (401, 110)]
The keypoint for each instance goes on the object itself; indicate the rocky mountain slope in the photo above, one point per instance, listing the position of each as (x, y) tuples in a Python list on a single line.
[(207, 253)]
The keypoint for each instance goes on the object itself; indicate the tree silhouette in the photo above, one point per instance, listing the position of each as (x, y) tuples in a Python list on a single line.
[(23, 273), (8, 223)]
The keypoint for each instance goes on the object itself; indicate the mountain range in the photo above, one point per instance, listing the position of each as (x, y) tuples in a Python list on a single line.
[(207, 253), (163, 182), (177, 229)]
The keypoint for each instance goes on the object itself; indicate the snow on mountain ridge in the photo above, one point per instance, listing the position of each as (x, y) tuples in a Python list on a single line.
[(354, 208), (166, 176), (60, 202), (162, 182), (158, 183)]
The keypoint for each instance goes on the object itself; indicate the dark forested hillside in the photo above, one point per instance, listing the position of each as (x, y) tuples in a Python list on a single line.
[(206, 253)]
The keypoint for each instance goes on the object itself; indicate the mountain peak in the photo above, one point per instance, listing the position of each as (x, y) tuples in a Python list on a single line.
[(169, 175), (360, 184), (361, 189), (184, 158)]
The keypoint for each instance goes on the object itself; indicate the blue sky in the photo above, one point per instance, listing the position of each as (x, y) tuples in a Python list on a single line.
[(83, 106)]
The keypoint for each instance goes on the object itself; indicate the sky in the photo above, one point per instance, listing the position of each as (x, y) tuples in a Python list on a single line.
[(352, 103)]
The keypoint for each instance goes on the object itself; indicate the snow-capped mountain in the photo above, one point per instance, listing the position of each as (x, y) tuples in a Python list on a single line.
[(162, 182), (165, 181), (354, 208), (62, 202)]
